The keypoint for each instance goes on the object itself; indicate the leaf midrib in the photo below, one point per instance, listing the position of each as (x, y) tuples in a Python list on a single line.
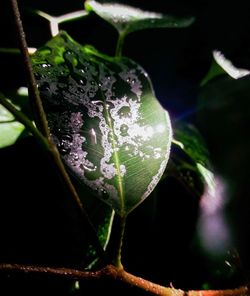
[(116, 157)]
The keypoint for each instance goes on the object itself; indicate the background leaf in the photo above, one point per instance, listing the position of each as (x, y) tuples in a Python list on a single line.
[(223, 119), (112, 133), (127, 19), (191, 142), (101, 216), (10, 129), (189, 160)]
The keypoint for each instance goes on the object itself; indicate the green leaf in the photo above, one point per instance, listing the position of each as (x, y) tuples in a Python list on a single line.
[(101, 215), (10, 129), (222, 66), (127, 19), (214, 71), (185, 171), (191, 166), (112, 133), (192, 143)]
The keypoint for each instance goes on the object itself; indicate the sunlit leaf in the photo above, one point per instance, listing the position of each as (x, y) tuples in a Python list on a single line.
[(221, 65), (214, 71), (112, 133), (10, 129), (228, 66), (127, 19)]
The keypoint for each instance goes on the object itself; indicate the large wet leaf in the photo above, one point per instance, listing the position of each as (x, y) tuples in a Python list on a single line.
[(127, 19), (112, 133)]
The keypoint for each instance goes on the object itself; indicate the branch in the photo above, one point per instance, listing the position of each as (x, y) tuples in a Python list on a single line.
[(35, 99), (116, 274), (44, 129)]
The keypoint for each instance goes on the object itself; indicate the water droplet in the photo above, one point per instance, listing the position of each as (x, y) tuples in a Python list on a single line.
[(124, 130), (93, 139), (63, 150), (122, 170), (75, 156), (124, 112), (82, 71), (69, 52), (104, 195), (45, 65), (89, 168), (67, 137), (44, 87)]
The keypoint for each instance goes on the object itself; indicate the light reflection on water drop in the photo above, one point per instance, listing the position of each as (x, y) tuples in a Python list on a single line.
[(93, 138), (89, 168)]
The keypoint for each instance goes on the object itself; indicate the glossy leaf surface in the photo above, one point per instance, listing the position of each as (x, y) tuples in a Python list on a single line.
[(112, 133), (127, 19)]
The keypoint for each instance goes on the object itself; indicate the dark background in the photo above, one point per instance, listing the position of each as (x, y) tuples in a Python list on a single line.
[(38, 224)]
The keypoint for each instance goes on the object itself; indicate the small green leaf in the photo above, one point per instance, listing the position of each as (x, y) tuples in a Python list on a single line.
[(190, 159), (10, 129), (214, 71), (185, 171), (101, 216), (192, 143), (127, 19), (112, 133)]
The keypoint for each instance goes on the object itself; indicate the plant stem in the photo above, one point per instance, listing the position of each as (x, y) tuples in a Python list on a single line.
[(114, 247), (119, 45), (44, 129), (50, 147), (34, 95), (119, 275)]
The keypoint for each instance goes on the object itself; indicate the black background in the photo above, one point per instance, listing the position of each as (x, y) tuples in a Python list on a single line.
[(37, 223)]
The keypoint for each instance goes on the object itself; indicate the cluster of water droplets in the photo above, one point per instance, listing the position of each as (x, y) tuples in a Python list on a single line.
[(96, 122)]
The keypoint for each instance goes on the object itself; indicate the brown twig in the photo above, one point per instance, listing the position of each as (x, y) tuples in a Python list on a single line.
[(117, 274), (36, 102)]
